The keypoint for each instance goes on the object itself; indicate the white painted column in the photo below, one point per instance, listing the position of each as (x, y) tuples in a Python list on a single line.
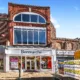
[(53, 65), (6, 63), (25, 64), (21, 63), (35, 63), (54, 61)]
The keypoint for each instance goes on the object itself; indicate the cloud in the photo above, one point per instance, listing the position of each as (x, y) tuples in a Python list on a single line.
[(76, 8), (55, 22)]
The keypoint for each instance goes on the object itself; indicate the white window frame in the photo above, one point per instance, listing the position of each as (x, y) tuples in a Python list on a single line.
[(27, 27), (29, 17)]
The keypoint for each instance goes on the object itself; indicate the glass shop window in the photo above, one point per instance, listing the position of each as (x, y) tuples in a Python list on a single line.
[(46, 63), (15, 62)]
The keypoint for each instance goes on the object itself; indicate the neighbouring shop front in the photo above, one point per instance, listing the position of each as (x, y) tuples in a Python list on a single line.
[(36, 59)]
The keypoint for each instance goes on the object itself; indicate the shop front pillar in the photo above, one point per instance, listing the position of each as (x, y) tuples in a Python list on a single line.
[(6, 63), (53, 67), (25, 64), (35, 64), (21, 63), (54, 61), (40, 63)]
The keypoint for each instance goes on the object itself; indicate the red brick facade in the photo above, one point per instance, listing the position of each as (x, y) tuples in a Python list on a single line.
[(52, 41), (14, 9)]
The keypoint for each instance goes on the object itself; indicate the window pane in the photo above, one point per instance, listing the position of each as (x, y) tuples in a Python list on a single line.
[(24, 33), (25, 17), (35, 36), (42, 39), (17, 36), (34, 18), (30, 37), (41, 20), (17, 18)]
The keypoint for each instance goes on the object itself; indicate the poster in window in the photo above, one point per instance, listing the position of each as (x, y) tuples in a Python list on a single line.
[(14, 63)]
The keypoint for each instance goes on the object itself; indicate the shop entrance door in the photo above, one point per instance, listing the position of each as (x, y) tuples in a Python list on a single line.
[(30, 65)]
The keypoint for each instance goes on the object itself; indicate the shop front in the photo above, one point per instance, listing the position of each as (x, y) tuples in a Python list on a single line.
[(30, 62), (28, 59)]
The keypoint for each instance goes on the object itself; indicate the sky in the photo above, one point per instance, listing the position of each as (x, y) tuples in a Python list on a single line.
[(65, 14)]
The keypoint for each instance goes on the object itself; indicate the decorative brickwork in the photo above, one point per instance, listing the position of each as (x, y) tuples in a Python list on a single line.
[(65, 44)]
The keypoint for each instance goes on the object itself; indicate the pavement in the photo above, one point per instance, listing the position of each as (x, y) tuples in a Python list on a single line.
[(15, 75), (33, 76)]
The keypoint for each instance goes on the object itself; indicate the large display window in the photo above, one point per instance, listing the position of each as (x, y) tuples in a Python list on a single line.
[(46, 63)]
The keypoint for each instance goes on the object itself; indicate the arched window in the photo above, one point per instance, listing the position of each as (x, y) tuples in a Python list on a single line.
[(29, 17), (17, 18)]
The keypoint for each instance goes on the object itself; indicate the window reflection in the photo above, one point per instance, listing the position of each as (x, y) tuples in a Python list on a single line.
[(33, 18), (42, 39), (24, 33), (25, 17), (17, 37), (17, 18), (35, 36), (30, 37), (41, 20)]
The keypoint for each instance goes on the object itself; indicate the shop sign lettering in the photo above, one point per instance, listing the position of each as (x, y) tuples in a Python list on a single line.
[(31, 52)]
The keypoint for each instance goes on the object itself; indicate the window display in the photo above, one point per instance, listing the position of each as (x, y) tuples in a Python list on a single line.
[(15, 62), (46, 63)]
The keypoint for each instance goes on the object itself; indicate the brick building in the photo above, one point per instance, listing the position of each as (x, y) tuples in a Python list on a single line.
[(28, 39)]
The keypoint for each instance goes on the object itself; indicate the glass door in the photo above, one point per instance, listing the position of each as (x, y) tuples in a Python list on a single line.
[(30, 65)]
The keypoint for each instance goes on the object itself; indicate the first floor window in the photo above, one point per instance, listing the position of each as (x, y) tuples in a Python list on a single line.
[(29, 36)]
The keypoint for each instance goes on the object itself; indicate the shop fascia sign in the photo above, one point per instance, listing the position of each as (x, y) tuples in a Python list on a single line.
[(66, 53), (31, 52), (27, 52)]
